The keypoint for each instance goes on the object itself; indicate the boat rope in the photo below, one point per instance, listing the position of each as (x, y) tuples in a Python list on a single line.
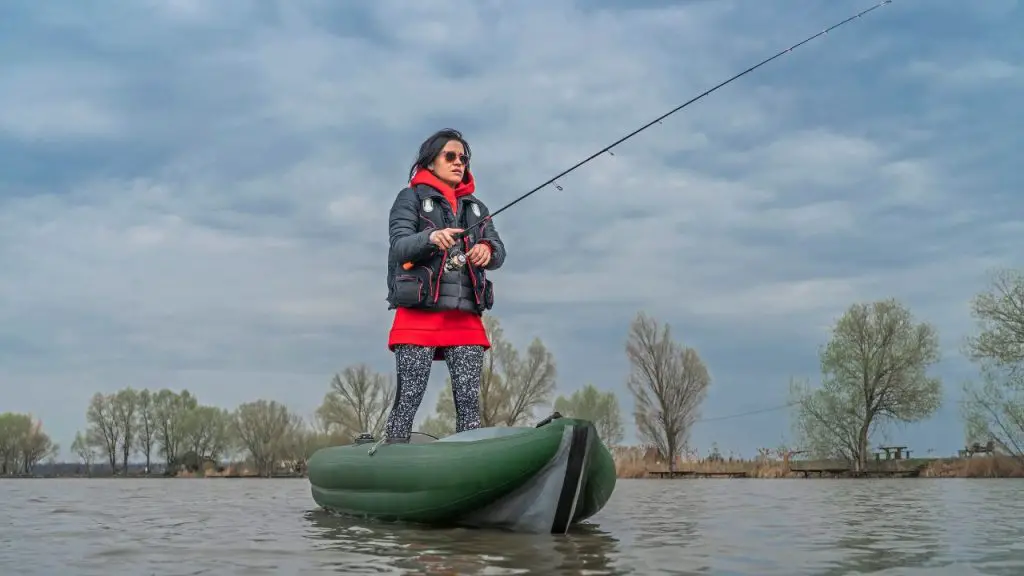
[(608, 149), (377, 444)]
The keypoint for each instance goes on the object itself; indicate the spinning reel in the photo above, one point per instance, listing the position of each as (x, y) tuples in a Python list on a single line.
[(456, 260)]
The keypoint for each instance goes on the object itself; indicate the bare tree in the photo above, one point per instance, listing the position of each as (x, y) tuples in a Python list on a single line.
[(825, 423), (358, 401), (36, 445), (23, 443), (326, 434), (494, 391), (528, 383), (262, 428), (146, 426), (10, 441), (511, 386), (170, 411), (302, 441), (124, 405), (669, 382), (85, 452), (600, 408), (874, 371), (994, 408), (207, 432), (999, 312), (104, 430)]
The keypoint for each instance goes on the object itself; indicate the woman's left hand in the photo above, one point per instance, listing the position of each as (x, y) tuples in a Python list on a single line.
[(479, 255)]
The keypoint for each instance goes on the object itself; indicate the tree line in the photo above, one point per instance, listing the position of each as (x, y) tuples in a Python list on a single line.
[(173, 429), (176, 430), (874, 372)]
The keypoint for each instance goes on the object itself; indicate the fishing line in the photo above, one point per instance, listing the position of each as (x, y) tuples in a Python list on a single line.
[(749, 413), (459, 258), (608, 149), (659, 119)]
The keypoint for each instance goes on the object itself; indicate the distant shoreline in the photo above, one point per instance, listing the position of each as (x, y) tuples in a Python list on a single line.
[(998, 466), (150, 477), (685, 477)]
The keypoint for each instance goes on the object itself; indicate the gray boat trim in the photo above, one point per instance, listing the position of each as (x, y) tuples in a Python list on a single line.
[(533, 507)]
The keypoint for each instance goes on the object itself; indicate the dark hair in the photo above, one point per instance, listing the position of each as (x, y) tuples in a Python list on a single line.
[(432, 146)]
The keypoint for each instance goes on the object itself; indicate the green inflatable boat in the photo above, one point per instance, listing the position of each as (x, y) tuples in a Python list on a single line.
[(541, 480)]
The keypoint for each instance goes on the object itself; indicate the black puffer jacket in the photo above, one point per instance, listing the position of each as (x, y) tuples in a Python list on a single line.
[(418, 211)]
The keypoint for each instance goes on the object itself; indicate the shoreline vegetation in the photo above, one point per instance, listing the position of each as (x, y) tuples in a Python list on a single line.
[(630, 464), (875, 377)]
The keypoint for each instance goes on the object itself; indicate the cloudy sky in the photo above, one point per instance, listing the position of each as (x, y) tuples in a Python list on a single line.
[(194, 194)]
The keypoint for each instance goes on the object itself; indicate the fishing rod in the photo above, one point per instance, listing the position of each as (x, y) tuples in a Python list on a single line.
[(459, 259)]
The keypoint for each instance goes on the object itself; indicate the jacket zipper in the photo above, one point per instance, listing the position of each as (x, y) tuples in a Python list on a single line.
[(472, 276), (444, 257)]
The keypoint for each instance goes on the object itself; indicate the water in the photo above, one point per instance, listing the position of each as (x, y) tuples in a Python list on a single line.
[(762, 527)]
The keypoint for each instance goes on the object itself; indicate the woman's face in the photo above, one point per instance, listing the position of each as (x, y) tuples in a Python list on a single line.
[(450, 164)]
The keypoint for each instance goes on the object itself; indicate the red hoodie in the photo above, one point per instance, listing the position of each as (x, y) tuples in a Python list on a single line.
[(439, 328)]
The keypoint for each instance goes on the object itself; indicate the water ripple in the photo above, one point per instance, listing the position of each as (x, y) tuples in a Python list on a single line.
[(762, 527)]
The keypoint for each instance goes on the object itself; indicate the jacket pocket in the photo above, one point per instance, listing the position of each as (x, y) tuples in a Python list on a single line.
[(410, 290), (488, 299)]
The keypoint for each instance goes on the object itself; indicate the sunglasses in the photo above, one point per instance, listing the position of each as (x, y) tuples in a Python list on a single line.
[(451, 156)]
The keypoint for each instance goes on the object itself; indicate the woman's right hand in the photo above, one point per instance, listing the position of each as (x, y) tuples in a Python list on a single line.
[(443, 238)]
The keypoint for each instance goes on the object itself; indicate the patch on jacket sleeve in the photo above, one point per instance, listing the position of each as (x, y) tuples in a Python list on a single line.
[(428, 204)]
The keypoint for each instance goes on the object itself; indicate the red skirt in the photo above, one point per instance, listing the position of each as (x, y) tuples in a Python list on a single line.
[(437, 329)]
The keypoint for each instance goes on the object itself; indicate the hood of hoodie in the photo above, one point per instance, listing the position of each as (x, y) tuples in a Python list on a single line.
[(467, 186)]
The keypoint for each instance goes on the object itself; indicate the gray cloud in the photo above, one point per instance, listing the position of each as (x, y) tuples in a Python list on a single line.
[(196, 193)]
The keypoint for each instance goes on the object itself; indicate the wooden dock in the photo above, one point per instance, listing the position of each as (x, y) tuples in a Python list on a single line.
[(904, 468), (695, 474)]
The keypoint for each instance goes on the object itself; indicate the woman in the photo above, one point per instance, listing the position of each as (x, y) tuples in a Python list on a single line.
[(433, 221)]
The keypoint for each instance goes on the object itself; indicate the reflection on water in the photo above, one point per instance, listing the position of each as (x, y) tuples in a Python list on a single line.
[(363, 545), (762, 527)]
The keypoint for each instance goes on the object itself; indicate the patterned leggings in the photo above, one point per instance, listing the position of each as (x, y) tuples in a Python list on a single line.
[(465, 364)]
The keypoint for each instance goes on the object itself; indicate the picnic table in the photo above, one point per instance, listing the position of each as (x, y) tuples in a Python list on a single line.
[(890, 450)]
